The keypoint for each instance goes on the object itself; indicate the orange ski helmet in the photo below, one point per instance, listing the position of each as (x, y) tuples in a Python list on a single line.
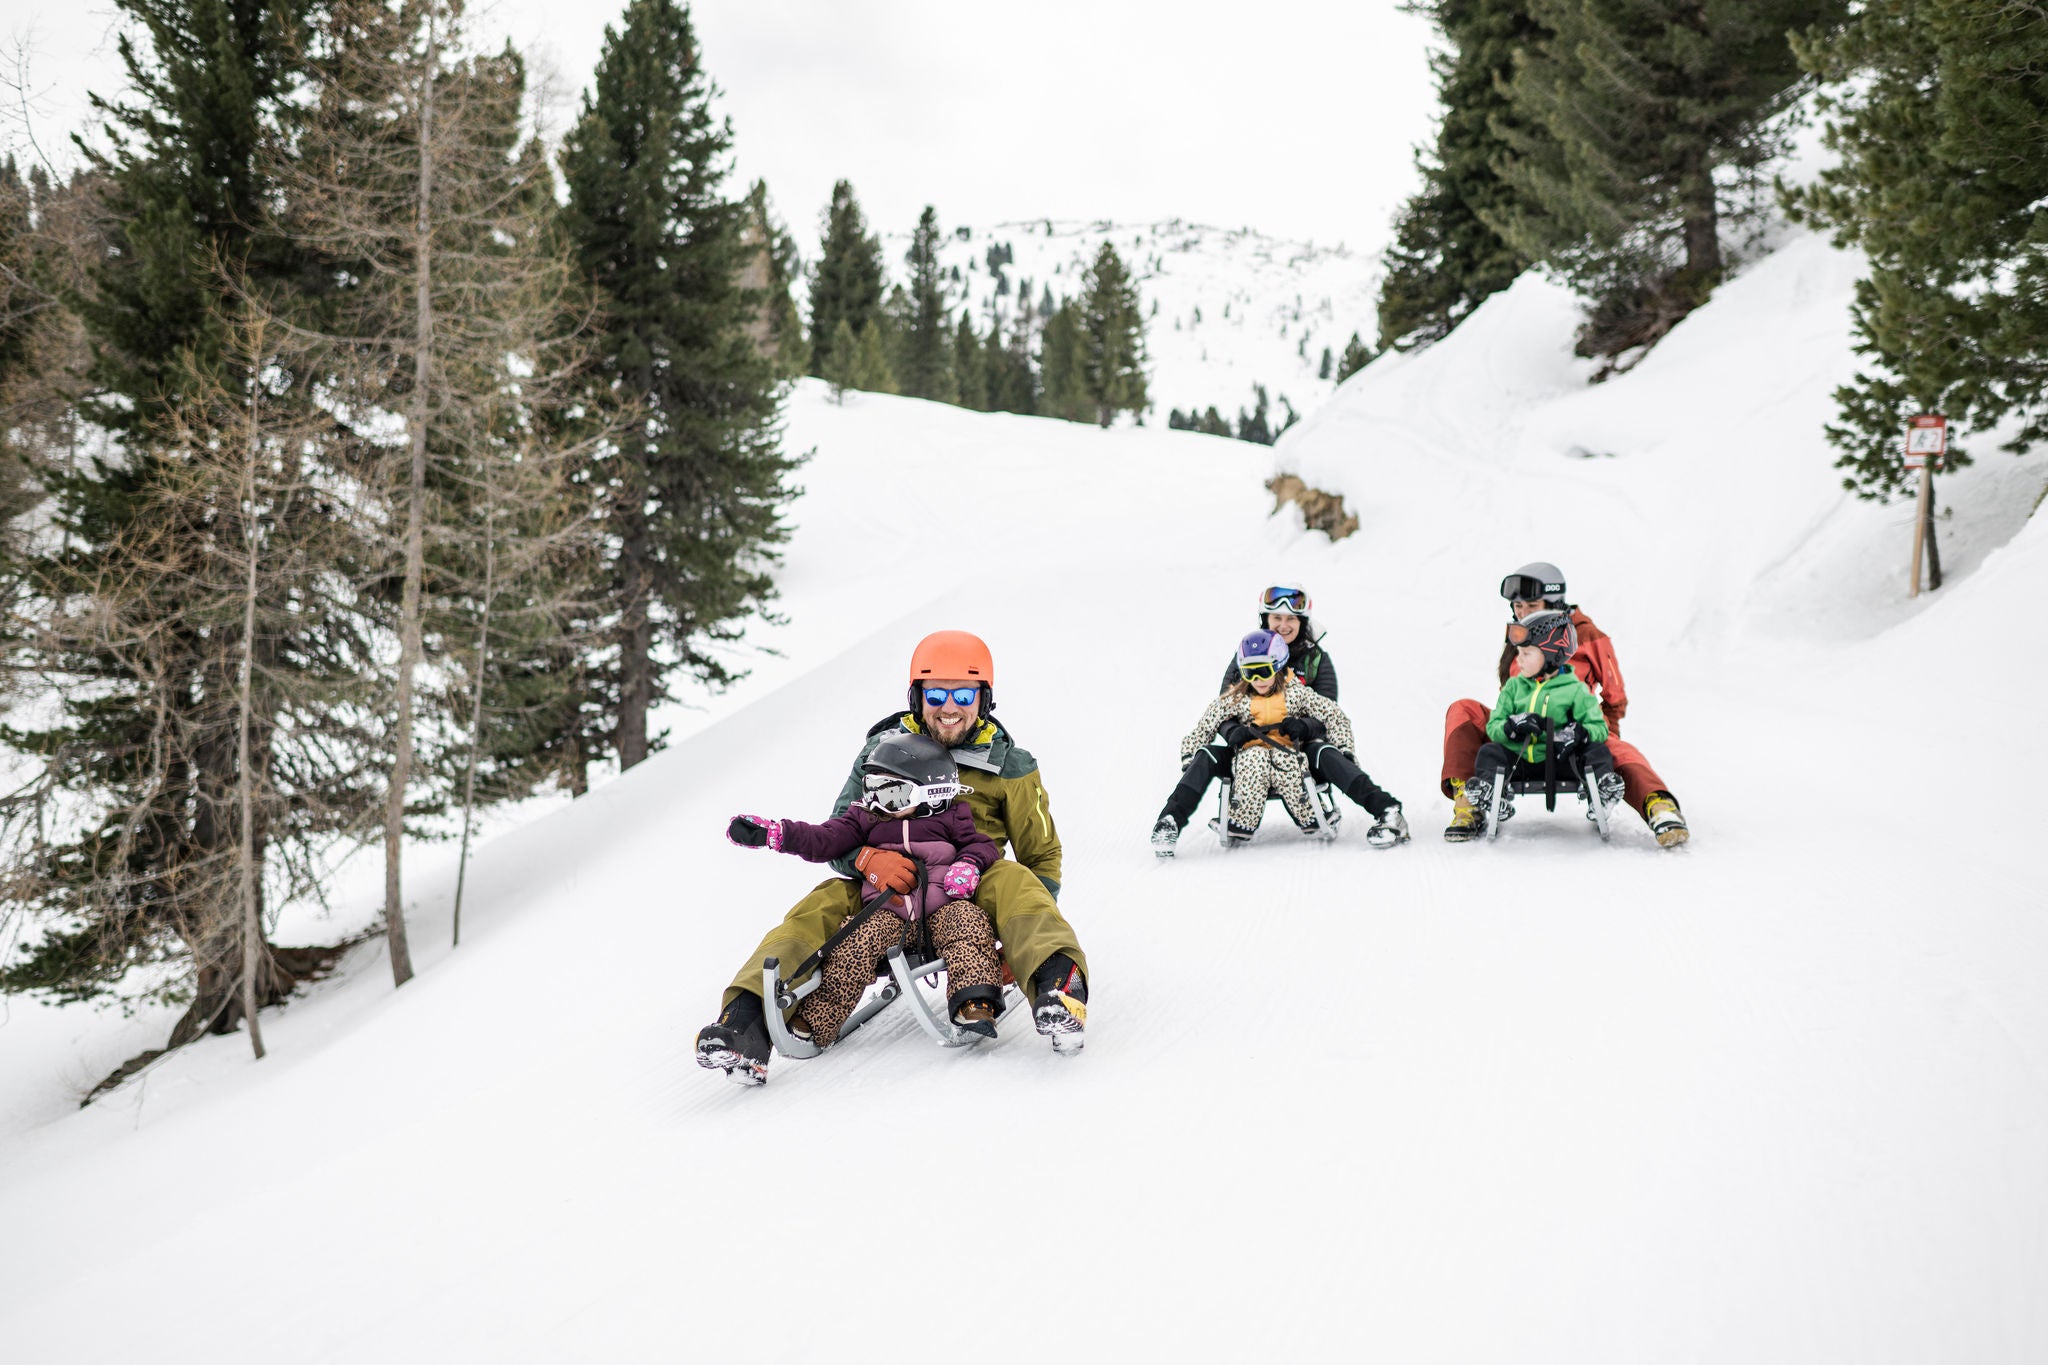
[(953, 654)]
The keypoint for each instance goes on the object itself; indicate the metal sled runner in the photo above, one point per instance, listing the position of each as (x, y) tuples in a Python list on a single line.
[(1322, 800)]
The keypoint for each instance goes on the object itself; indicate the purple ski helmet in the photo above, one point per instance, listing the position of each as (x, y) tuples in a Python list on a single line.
[(1261, 654)]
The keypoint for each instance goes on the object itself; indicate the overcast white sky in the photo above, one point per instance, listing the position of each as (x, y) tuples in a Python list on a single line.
[(1296, 117)]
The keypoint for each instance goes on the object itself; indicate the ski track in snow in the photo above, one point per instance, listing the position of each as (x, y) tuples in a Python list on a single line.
[(1779, 1096)]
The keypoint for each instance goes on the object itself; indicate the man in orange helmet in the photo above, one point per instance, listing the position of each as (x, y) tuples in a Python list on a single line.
[(952, 692)]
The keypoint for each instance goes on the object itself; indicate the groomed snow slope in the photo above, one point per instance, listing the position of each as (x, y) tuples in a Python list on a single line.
[(1781, 1096)]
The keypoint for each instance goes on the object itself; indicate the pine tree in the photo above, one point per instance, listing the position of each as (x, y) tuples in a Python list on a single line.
[(1445, 259), (847, 280), (1937, 112), (184, 193), (778, 329), (1255, 425), (1655, 120), (1012, 387), (1063, 367), (132, 766), (870, 371), (970, 366), (926, 369), (1357, 355), (1113, 330), (1328, 368), (839, 361), (695, 498)]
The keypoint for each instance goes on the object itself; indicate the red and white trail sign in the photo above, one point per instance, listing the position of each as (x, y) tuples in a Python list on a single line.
[(1926, 440)]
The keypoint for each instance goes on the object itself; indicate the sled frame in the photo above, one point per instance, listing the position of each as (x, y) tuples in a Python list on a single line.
[(898, 984), (1321, 799)]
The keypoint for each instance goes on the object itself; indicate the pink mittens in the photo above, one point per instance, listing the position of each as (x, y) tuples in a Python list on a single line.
[(960, 880), (751, 831)]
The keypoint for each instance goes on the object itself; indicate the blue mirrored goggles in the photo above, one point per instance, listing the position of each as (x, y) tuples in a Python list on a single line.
[(960, 696), (1283, 598)]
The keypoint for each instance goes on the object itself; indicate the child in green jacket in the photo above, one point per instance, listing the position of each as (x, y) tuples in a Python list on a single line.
[(1546, 688)]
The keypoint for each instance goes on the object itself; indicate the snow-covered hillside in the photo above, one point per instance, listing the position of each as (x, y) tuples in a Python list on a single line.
[(1226, 308), (1780, 1096)]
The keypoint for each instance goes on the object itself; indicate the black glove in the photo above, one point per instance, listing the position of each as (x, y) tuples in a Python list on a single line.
[(1303, 730), (1237, 734), (1520, 726), (1569, 737)]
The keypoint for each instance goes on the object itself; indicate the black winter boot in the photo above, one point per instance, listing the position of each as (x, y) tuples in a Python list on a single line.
[(1059, 1007), (738, 1043)]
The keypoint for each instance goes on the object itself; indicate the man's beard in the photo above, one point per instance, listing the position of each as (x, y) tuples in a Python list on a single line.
[(950, 736)]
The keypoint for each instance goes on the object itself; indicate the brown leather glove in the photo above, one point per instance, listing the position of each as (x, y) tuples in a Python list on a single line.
[(885, 870)]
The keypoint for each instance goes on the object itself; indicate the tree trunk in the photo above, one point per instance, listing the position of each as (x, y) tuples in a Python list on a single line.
[(245, 796), (1933, 545), (636, 632), (415, 534), (1702, 219), (476, 708)]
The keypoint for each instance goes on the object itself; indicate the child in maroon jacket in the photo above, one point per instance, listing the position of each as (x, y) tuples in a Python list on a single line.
[(921, 858)]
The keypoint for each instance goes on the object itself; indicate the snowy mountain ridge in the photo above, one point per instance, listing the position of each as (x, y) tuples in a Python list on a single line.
[(1226, 308)]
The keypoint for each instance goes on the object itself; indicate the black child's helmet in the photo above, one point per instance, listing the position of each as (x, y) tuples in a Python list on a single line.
[(1550, 632), (908, 774)]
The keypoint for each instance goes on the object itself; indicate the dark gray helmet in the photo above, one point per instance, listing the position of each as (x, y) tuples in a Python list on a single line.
[(918, 758), (907, 773), (1538, 582)]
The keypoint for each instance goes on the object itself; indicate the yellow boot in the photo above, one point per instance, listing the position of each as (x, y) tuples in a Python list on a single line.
[(1666, 822), (1465, 816)]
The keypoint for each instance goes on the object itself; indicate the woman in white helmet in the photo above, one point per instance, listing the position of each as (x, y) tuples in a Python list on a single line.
[(1272, 730)]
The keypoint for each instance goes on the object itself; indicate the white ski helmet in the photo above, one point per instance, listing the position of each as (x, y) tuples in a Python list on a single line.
[(1288, 598), (1538, 582)]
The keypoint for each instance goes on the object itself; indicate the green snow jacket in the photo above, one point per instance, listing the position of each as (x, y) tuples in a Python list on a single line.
[(1559, 696), (1008, 800)]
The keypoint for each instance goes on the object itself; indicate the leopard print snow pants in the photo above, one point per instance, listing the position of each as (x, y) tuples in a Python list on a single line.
[(1258, 772), (961, 934)]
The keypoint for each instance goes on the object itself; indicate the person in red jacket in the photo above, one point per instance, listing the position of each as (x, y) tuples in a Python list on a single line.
[(1540, 587)]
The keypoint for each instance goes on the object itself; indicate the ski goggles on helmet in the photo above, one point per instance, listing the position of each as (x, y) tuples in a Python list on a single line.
[(893, 795), (1285, 598), (1251, 670), (959, 696), (1519, 587), (1519, 634)]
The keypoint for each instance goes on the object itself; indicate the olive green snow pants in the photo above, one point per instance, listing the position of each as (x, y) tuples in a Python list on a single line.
[(1026, 920)]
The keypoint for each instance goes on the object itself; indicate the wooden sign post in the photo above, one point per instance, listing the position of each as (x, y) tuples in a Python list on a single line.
[(1926, 443)]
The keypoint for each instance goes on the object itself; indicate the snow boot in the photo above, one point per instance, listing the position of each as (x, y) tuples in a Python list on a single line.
[(974, 1009), (1165, 835), (1389, 828), (1479, 792), (1234, 834), (1666, 821), (1059, 1007), (1613, 791), (738, 1043), (1465, 817)]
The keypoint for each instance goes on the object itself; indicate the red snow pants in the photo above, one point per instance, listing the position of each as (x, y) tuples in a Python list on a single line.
[(1465, 731)]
